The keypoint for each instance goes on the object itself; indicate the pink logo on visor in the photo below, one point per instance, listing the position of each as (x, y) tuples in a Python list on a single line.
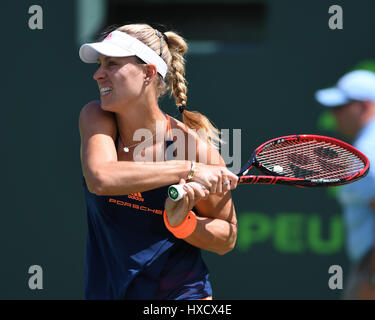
[(108, 37)]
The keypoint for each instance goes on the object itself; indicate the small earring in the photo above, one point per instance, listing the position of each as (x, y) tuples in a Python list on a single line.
[(146, 83)]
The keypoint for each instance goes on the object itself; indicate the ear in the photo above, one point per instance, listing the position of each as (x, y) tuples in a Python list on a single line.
[(357, 108), (150, 71), (367, 105)]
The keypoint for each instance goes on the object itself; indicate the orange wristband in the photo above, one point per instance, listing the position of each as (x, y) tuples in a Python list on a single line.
[(185, 229)]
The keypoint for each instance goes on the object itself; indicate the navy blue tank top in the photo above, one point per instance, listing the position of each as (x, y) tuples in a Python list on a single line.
[(131, 255)]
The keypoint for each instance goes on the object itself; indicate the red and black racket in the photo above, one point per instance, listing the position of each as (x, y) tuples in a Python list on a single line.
[(301, 160)]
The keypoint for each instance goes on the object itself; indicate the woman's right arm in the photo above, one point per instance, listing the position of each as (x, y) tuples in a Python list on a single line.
[(105, 175)]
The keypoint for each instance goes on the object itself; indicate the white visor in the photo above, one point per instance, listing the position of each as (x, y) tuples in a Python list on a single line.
[(120, 44), (331, 97)]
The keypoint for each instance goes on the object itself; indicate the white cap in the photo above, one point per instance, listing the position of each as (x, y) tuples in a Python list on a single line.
[(356, 85), (120, 44)]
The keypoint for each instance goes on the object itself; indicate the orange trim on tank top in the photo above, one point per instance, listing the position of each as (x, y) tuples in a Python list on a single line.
[(169, 127)]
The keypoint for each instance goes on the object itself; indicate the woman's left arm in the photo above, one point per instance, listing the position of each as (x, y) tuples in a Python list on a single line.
[(216, 228)]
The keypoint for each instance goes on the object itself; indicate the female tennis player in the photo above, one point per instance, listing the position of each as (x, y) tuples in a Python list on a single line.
[(141, 245)]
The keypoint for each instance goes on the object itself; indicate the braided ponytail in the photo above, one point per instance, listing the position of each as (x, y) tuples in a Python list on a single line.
[(178, 85)]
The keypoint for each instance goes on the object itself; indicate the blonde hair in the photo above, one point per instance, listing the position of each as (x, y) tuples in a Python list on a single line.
[(172, 52)]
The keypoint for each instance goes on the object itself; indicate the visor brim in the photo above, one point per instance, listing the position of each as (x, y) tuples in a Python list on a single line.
[(89, 52), (331, 97)]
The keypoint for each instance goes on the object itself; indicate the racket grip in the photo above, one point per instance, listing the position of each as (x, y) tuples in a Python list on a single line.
[(176, 191)]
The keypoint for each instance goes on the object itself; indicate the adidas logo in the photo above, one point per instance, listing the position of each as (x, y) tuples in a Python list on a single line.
[(136, 196)]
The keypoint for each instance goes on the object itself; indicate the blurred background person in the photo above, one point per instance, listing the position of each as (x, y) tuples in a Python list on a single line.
[(352, 103)]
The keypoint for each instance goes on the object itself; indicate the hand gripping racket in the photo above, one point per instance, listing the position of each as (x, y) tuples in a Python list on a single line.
[(300, 160)]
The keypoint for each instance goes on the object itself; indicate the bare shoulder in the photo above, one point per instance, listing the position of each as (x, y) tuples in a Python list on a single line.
[(93, 119), (208, 154), (93, 111), (205, 152)]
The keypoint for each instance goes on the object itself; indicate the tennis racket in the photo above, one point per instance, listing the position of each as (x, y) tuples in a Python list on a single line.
[(300, 160)]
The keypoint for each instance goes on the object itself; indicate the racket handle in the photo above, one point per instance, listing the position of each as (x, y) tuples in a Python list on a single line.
[(176, 191)]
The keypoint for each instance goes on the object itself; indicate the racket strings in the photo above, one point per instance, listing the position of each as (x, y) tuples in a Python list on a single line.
[(292, 145), (315, 172), (310, 159), (323, 168), (302, 147), (311, 172), (349, 163), (303, 150)]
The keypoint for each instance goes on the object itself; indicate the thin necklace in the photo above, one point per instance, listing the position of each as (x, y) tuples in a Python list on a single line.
[(127, 148)]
